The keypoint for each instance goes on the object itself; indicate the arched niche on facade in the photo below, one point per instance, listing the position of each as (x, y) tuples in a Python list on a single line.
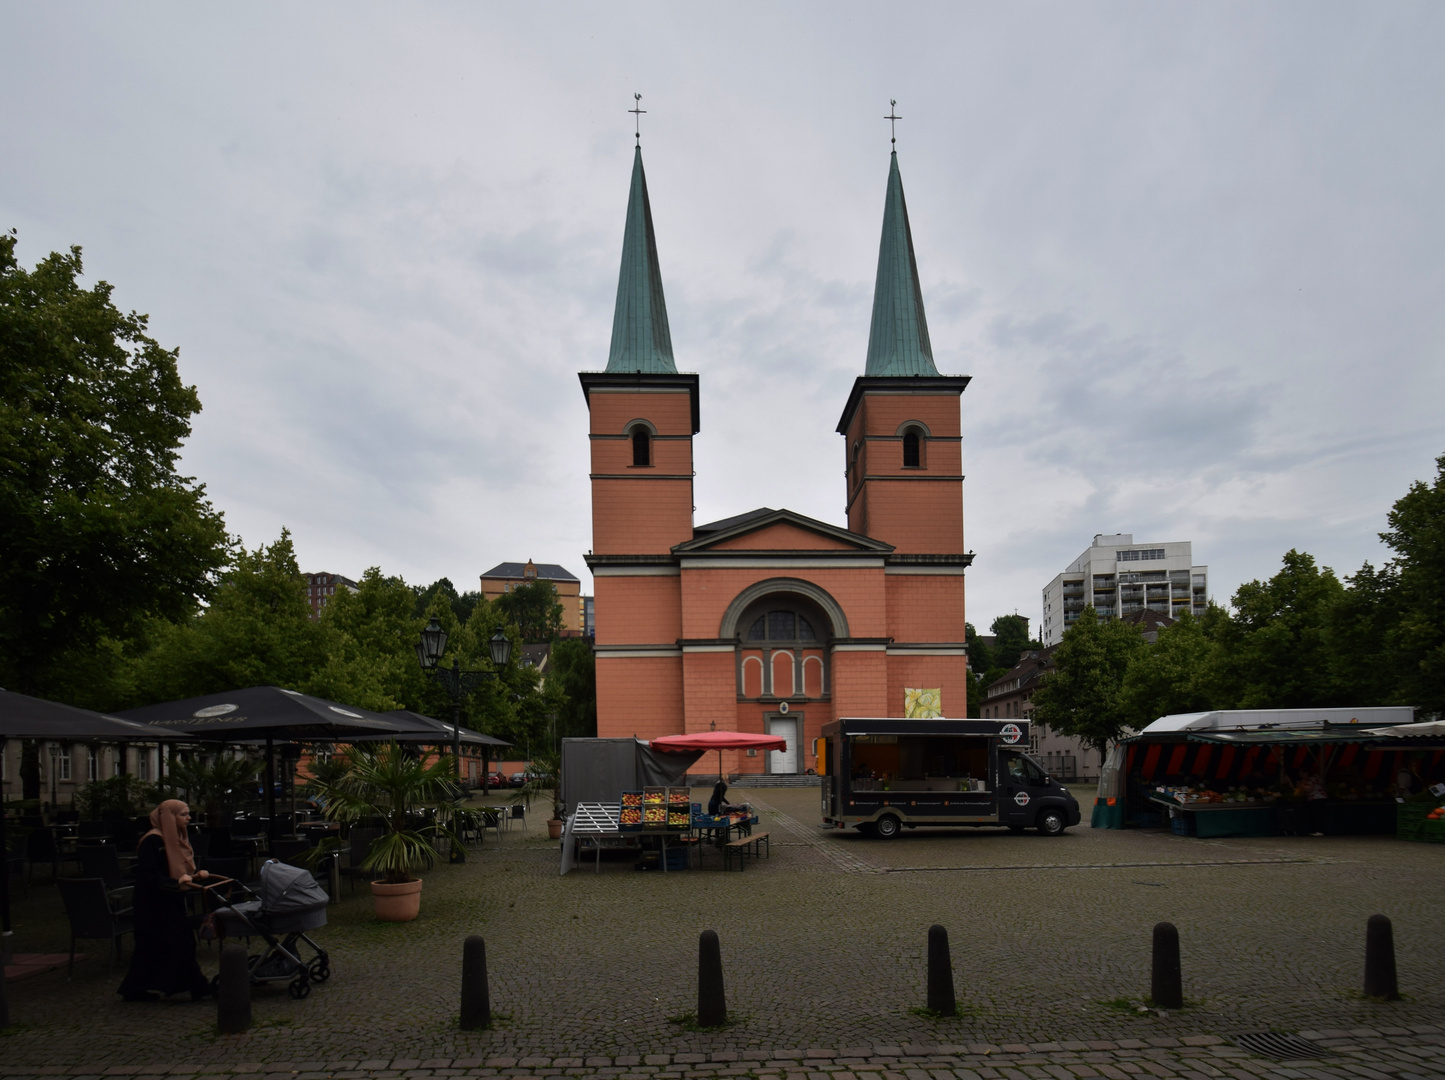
[(783, 628)]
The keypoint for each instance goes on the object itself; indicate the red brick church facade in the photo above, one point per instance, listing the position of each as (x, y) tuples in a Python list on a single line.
[(771, 621)]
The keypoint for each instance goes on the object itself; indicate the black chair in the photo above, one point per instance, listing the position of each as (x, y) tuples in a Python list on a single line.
[(88, 908), (67, 817), (89, 830), (360, 845), (102, 861), (200, 838), (43, 847), (288, 850)]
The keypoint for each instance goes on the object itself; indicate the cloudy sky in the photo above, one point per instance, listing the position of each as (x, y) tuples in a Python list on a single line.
[(1193, 256)]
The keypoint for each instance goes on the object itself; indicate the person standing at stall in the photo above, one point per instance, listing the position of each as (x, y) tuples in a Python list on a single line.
[(164, 960)]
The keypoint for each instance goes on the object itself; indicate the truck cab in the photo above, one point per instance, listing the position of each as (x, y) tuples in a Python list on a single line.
[(881, 775)]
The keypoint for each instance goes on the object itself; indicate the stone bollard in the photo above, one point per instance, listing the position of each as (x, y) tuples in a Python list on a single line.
[(476, 998), (1165, 985), (712, 1006), (1380, 959), (940, 973), (233, 991)]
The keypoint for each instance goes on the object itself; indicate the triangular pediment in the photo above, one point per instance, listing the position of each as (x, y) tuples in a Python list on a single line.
[(778, 530)]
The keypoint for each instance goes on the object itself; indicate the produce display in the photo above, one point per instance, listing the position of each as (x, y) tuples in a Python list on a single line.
[(656, 808), (654, 815), (654, 796), (631, 815), (631, 798)]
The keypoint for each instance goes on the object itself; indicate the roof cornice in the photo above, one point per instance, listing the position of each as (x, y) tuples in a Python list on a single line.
[(643, 382), (858, 541), (898, 384)]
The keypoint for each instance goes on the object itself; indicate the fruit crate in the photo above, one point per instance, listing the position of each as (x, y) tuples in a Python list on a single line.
[(1183, 825), (629, 818), (679, 808), (1410, 820), (1433, 832)]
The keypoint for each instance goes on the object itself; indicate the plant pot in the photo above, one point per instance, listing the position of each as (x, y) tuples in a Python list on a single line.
[(398, 902), (554, 828)]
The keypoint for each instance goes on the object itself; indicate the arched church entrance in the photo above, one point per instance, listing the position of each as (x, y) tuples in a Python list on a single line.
[(783, 631)]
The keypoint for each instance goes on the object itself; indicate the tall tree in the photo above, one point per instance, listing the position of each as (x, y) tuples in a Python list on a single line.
[(99, 533), (1084, 696), (1011, 639), (1178, 673), (535, 609), (573, 671), (256, 631), (1417, 640), (1279, 653)]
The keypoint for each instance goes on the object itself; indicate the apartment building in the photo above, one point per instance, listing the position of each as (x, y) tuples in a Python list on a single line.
[(1119, 577)]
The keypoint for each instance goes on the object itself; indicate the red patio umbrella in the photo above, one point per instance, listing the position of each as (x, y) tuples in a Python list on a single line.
[(719, 741)]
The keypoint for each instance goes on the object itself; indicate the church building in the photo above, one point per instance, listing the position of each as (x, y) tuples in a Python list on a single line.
[(770, 621)]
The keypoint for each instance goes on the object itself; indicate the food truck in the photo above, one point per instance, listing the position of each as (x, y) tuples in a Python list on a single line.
[(880, 775)]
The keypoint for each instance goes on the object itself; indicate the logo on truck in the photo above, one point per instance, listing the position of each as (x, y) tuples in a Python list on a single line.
[(1010, 733), (1022, 798)]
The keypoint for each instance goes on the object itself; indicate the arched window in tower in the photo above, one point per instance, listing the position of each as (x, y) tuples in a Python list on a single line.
[(641, 447), (912, 449)]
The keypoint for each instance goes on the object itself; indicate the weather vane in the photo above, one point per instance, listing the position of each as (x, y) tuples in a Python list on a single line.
[(637, 110), (893, 120)]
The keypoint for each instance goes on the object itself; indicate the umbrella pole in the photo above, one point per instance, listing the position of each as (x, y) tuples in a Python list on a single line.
[(270, 787), (4, 891)]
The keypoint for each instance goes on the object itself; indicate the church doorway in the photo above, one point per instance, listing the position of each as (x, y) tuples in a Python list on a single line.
[(784, 762)]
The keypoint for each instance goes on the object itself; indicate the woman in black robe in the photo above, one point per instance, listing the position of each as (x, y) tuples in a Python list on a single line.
[(164, 960)]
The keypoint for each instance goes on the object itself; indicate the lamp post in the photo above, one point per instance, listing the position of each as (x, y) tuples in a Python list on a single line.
[(456, 681), (54, 776)]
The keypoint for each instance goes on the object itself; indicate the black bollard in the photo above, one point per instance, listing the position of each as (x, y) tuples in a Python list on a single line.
[(712, 1006), (940, 973), (476, 998), (233, 992), (1165, 985), (1380, 959), (4, 1001)]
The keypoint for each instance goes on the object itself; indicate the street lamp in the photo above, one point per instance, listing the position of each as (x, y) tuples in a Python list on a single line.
[(456, 681), (54, 775)]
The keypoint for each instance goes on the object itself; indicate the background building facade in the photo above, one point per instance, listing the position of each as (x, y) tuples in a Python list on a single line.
[(1119, 577)]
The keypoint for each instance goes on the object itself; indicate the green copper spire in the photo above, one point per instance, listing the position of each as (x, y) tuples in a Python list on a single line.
[(641, 340), (898, 339)]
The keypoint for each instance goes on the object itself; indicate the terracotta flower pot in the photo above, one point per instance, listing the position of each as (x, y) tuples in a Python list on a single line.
[(554, 828), (399, 902)]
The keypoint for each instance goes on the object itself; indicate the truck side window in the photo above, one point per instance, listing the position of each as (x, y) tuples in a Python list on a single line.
[(1016, 768)]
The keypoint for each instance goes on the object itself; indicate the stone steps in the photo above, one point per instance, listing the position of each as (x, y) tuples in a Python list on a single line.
[(768, 780)]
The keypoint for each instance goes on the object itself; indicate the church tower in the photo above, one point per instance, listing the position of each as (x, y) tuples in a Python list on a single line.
[(643, 417), (901, 427)]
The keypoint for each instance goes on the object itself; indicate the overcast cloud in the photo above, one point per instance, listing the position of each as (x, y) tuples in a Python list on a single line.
[(1191, 255)]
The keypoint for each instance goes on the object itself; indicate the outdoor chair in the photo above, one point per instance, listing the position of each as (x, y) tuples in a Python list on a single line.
[(287, 850), (200, 838), (90, 830), (102, 861), (359, 845), (67, 817), (43, 847), (88, 908), (519, 813)]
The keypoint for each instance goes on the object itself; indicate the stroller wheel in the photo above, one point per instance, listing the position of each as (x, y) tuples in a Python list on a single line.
[(299, 987), (320, 969)]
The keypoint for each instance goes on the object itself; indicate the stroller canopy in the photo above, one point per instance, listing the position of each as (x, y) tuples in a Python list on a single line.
[(289, 889)]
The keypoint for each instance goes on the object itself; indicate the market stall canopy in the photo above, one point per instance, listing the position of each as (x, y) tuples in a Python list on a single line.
[(719, 740), (23, 717), (1426, 730), (1276, 720), (261, 710)]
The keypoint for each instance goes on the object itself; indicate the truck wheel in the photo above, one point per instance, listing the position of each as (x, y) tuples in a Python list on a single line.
[(887, 827), (1050, 823)]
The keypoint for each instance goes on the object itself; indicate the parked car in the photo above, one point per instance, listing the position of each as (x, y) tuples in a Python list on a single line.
[(518, 779), (494, 780)]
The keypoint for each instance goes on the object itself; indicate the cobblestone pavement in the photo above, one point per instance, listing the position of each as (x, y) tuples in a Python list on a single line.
[(823, 950)]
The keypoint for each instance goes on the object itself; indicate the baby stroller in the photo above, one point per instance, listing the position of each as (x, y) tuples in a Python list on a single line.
[(291, 903)]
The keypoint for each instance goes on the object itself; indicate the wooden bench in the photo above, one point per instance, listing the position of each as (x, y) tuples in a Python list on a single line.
[(745, 846)]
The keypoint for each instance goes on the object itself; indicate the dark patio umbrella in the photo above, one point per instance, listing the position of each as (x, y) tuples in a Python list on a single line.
[(24, 717), (433, 732), (264, 711)]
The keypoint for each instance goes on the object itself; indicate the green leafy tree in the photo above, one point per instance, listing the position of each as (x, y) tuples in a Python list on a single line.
[(1279, 651), (369, 639), (1084, 696), (535, 609), (1011, 640), (1416, 580), (573, 672), (462, 604), (1178, 673), (257, 631), (98, 531)]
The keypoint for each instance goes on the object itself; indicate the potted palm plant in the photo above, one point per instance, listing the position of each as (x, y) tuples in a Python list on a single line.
[(544, 780), (414, 800)]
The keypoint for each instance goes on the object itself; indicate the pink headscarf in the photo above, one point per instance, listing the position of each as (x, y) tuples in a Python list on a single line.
[(166, 823)]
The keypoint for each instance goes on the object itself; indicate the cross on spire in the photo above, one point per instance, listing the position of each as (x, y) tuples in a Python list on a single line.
[(637, 110), (893, 120)]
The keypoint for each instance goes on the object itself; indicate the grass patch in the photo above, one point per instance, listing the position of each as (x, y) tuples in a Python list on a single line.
[(959, 1012), (688, 1022)]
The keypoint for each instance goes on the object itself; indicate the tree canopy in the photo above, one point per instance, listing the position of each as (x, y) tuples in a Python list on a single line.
[(99, 533)]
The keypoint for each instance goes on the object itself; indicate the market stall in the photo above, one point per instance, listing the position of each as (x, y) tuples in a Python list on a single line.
[(1263, 772)]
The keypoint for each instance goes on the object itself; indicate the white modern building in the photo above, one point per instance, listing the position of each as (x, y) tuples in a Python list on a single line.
[(1119, 577)]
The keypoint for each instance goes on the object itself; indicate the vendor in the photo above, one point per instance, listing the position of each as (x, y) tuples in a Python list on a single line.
[(718, 804)]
